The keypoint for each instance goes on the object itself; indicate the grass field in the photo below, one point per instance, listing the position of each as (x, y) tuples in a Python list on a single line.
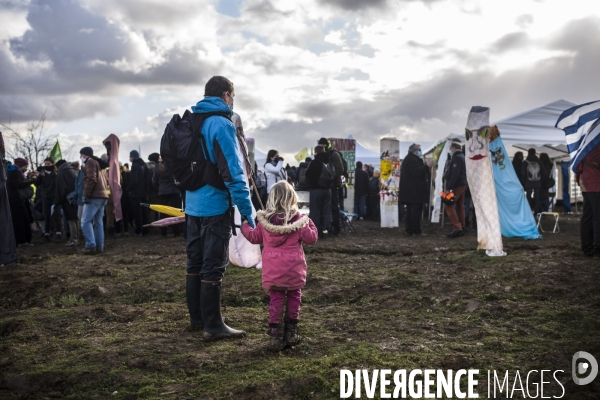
[(115, 325)]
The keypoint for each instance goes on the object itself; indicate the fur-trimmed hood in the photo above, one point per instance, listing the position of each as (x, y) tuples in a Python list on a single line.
[(298, 222)]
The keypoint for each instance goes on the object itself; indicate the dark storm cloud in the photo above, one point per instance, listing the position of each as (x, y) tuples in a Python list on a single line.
[(82, 53), (265, 10), (449, 97), (356, 5), (510, 41)]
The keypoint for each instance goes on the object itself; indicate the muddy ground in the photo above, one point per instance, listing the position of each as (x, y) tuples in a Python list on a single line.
[(115, 325)]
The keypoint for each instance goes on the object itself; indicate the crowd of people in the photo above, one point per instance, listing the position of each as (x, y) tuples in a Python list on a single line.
[(326, 178), (72, 201), (536, 174)]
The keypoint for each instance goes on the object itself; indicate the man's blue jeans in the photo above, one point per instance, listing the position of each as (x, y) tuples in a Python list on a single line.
[(92, 214), (360, 206)]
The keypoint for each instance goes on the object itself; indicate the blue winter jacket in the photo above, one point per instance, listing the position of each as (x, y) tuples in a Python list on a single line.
[(222, 146)]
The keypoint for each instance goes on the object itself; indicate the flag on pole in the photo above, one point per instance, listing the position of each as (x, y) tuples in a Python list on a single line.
[(437, 151), (302, 155), (56, 154), (582, 131)]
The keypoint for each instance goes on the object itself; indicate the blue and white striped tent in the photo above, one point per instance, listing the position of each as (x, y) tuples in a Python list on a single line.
[(581, 125)]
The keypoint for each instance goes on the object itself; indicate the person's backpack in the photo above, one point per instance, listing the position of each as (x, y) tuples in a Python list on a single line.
[(549, 182), (302, 179), (183, 150), (533, 171), (327, 174), (261, 184), (344, 163)]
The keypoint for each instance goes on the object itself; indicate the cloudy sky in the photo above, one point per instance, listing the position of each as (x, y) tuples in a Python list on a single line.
[(302, 69)]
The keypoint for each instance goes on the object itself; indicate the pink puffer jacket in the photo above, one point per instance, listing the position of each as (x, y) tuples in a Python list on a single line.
[(284, 265)]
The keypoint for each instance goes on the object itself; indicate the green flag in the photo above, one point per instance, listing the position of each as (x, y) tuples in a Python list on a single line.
[(437, 151), (302, 155), (56, 154)]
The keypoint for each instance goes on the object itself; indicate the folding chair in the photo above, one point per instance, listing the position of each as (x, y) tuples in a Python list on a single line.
[(554, 214), (346, 221)]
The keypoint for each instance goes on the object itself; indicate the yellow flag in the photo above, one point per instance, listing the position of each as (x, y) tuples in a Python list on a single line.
[(302, 155)]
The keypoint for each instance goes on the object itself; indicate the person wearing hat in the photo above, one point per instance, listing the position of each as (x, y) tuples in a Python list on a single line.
[(414, 187), (46, 184), (138, 191), (95, 197), (336, 159), (320, 194), (19, 189)]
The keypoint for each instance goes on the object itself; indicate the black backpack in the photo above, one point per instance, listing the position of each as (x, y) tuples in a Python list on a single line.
[(183, 149), (533, 171), (344, 163), (302, 179), (327, 174)]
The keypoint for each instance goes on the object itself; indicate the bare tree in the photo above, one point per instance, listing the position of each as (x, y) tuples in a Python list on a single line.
[(33, 144)]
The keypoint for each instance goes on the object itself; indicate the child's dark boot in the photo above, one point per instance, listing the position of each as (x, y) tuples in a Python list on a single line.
[(292, 336)]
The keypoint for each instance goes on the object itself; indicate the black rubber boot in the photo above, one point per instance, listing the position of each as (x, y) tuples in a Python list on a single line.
[(192, 293), (214, 327)]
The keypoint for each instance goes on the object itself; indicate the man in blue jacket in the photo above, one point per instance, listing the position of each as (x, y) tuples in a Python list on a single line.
[(209, 214)]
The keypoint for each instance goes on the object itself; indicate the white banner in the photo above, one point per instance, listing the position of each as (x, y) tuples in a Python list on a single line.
[(390, 181), (439, 183)]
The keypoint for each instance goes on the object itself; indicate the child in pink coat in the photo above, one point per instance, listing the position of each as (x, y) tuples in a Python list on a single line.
[(282, 229)]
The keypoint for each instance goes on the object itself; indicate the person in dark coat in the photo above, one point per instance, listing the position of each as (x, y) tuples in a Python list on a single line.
[(361, 188), (414, 187), (138, 191), (125, 201), (455, 177), (533, 172), (302, 181), (45, 183), (320, 195), (153, 160), (546, 192), (168, 193), (517, 163), (373, 197), (65, 185), (19, 206)]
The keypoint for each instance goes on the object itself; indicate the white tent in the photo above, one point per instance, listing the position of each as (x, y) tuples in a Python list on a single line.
[(535, 129), (365, 155), (260, 158)]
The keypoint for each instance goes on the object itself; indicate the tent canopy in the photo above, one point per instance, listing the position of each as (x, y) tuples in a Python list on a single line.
[(365, 155), (535, 129)]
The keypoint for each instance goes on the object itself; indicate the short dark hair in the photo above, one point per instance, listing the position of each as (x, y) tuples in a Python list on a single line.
[(49, 159), (217, 85), (319, 149), (455, 145), (359, 164)]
